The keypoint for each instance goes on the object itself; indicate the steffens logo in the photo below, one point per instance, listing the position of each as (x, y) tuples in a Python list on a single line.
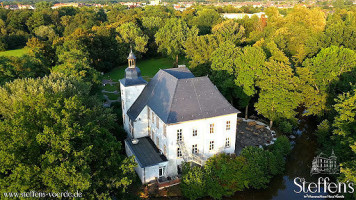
[(324, 165)]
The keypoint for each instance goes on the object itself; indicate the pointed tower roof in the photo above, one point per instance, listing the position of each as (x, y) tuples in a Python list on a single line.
[(132, 72), (131, 56), (332, 154)]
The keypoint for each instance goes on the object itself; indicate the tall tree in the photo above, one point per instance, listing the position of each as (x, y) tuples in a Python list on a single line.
[(199, 49), (244, 64), (171, 38), (55, 137), (229, 30), (345, 129), (132, 34), (205, 19), (319, 72), (279, 96)]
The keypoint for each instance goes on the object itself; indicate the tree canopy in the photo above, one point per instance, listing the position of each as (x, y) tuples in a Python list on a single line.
[(56, 137)]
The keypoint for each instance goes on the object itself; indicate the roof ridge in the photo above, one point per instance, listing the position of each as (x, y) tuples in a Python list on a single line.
[(195, 92), (150, 94), (159, 78), (169, 73), (170, 103)]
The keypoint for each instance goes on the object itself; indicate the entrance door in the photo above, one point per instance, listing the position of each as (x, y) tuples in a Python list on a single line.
[(179, 169)]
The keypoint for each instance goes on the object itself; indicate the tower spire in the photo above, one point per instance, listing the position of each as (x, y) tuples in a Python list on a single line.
[(131, 59)]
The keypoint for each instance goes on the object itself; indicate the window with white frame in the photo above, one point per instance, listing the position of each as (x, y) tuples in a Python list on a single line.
[(195, 132), (194, 148), (157, 121), (165, 150), (179, 135), (227, 125), (157, 141), (179, 153), (153, 117), (149, 132), (161, 171), (227, 143), (165, 130), (148, 113), (211, 128), (131, 128), (211, 146)]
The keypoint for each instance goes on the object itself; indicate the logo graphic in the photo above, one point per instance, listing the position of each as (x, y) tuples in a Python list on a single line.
[(323, 165), (324, 187)]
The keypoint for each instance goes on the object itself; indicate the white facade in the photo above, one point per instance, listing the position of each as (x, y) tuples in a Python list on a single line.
[(128, 96), (196, 132), (147, 174)]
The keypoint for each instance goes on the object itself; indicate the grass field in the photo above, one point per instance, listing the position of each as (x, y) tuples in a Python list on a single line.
[(16, 52), (148, 68), (111, 88)]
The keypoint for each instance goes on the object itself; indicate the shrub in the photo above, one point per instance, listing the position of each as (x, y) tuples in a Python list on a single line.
[(282, 146), (225, 175), (285, 126), (193, 183)]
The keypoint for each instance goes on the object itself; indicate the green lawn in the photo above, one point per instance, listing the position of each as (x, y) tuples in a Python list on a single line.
[(111, 88), (148, 68), (112, 96), (16, 52)]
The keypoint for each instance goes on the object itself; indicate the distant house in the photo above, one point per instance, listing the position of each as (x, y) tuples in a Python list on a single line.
[(174, 118), (11, 7), (242, 15), (155, 2), (59, 5), (26, 7)]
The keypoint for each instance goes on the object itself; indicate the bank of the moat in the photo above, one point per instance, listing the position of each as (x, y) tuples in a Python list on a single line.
[(298, 165)]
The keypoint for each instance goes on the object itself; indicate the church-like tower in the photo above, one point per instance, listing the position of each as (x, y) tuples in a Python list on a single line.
[(130, 87)]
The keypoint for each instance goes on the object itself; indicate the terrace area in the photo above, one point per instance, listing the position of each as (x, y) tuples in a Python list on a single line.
[(252, 133)]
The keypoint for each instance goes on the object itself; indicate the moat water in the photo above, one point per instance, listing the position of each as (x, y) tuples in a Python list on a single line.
[(299, 163)]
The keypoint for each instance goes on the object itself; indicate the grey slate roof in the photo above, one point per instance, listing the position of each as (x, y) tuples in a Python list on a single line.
[(132, 77), (131, 55), (146, 152), (129, 82), (176, 95)]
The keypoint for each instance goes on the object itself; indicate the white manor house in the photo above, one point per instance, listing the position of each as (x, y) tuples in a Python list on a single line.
[(174, 118)]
